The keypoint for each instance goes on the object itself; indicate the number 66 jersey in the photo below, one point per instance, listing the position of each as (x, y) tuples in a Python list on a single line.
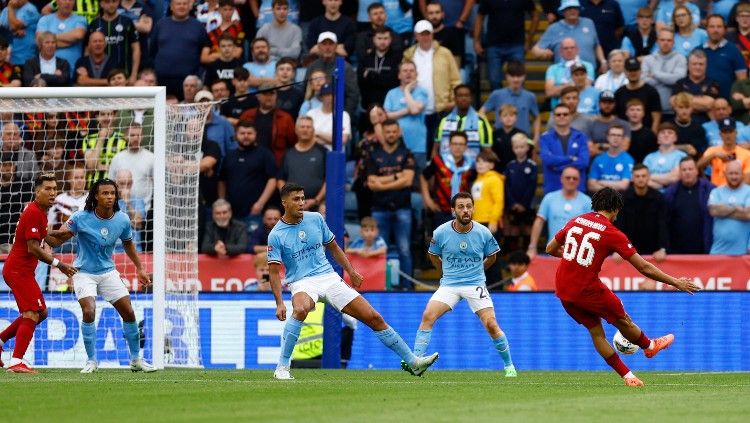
[(587, 240)]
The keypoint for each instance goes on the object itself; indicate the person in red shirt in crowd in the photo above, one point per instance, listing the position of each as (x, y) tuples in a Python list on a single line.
[(583, 244), (18, 271)]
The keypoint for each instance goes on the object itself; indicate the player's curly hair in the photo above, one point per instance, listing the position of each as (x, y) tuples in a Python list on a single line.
[(91, 198), (608, 200)]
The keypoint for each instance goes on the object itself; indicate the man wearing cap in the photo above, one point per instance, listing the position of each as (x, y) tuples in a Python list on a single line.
[(600, 124), (559, 75), (730, 207), (217, 129), (326, 61), (274, 127), (582, 30), (725, 62), (663, 163), (437, 73), (637, 88), (721, 110), (718, 156), (323, 119), (664, 67), (262, 69), (333, 21), (588, 96)]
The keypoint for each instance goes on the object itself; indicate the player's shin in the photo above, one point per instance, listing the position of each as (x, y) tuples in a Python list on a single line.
[(289, 340), (88, 330), (23, 338), (131, 335), (502, 347), (391, 339), (421, 341), (616, 363), (10, 331)]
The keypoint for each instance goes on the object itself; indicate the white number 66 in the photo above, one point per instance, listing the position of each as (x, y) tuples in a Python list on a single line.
[(583, 255)]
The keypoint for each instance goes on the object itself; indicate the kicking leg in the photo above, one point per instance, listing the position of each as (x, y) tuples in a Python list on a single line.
[(24, 334), (432, 312), (302, 303), (610, 356), (634, 334), (489, 321)]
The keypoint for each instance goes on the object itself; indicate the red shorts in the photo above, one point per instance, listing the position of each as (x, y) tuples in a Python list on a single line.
[(590, 310), (26, 290)]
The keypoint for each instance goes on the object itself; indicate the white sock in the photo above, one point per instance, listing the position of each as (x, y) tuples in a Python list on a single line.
[(651, 345), (14, 361), (629, 375)]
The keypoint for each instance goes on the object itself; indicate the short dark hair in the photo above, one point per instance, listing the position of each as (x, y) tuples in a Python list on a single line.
[(246, 123), (376, 5), (607, 199), (462, 87), (286, 61), (515, 68), (257, 39), (223, 3), (616, 126), (688, 158), (226, 37), (390, 122), (461, 134), (569, 89), (640, 166), (715, 16), (241, 74), (4, 43), (381, 30), (460, 195), (289, 188), (488, 156), (115, 72), (218, 81), (44, 177), (280, 3), (91, 202), (518, 257)]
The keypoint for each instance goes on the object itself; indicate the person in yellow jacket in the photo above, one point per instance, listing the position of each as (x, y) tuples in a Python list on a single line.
[(488, 191)]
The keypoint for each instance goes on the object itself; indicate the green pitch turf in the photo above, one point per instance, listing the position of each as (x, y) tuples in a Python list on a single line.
[(371, 396)]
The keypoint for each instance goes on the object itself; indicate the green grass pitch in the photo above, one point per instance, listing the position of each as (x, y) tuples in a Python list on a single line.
[(371, 396)]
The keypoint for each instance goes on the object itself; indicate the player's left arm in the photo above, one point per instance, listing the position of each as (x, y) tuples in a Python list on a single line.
[(489, 261), (56, 237), (132, 253), (649, 270), (340, 257)]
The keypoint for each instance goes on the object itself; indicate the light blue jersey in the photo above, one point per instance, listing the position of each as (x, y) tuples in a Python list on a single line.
[(52, 23), (713, 135), (731, 235), (301, 247), (97, 238), (358, 243), (557, 210), (685, 45), (659, 163), (463, 254), (261, 70)]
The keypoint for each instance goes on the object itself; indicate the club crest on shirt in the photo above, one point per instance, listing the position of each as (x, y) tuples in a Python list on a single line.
[(34, 230), (463, 245), (302, 235), (104, 231)]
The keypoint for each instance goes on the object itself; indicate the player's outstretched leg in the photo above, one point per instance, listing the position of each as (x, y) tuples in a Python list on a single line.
[(489, 321), (361, 310), (24, 333), (610, 356), (8, 333), (131, 335), (634, 334), (302, 303)]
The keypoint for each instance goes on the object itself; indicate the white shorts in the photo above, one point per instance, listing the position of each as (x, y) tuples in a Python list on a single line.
[(109, 285), (328, 288), (477, 296)]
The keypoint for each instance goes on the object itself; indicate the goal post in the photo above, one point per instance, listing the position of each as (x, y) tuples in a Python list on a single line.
[(169, 236)]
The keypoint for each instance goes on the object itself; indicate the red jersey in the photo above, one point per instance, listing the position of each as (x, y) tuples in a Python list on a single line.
[(587, 240), (31, 225)]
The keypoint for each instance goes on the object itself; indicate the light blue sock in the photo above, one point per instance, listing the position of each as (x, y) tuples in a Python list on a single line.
[(130, 333), (89, 339), (289, 340), (421, 342), (501, 345), (391, 339)]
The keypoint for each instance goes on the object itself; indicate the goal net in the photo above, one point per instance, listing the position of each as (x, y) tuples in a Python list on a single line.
[(152, 151)]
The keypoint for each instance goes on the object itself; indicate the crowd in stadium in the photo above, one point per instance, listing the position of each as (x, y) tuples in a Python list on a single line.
[(645, 96)]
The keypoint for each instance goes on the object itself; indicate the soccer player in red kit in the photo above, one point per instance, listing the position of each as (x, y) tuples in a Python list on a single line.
[(18, 271), (583, 244)]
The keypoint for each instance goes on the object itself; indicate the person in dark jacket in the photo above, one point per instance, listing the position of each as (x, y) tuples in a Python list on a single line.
[(60, 76), (224, 237), (690, 223)]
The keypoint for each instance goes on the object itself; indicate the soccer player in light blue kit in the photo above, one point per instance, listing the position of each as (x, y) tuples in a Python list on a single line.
[(299, 241), (98, 227), (462, 249)]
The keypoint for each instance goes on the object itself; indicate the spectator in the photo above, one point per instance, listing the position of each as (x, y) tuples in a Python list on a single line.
[(176, 57), (226, 27), (687, 207), (223, 65), (464, 118), (220, 90), (14, 194), (123, 47), (520, 279), (52, 159), (691, 137), (225, 236), (131, 204), (613, 168), (261, 11), (390, 174), (100, 147), (614, 78), (640, 40), (666, 9), (720, 111), (643, 218), (208, 181), (562, 147), (638, 88), (687, 35), (520, 187), (664, 67), (54, 70), (378, 71), (92, 70), (148, 76), (703, 90), (275, 127), (142, 16), (507, 38), (139, 161), (289, 96), (68, 27), (719, 156), (10, 75), (725, 62), (285, 38), (559, 206), (369, 243), (580, 29), (316, 80), (588, 96), (488, 191), (445, 176), (569, 96), (396, 16), (261, 68), (559, 75), (211, 15), (457, 12), (88, 9), (501, 144), (663, 164), (730, 207), (372, 136), (740, 36), (248, 175), (323, 120), (528, 118), (259, 237), (608, 20), (71, 198), (365, 41), (242, 99), (450, 37), (326, 61), (599, 126), (262, 281), (117, 78), (25, 164), (19, 19), (406, 104), (334, 22), (217, 129), (305, 164)]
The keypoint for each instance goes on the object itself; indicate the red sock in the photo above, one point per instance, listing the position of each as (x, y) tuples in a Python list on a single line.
[(10, 331), (23, 337), (643, 341), (617, 364)]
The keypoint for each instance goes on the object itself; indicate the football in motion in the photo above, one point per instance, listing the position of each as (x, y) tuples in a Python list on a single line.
[(623, 345)]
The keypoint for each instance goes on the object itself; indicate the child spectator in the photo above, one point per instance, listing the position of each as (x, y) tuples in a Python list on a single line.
[(262, 281), (223, 60), (520, 280), (370, 243), (488, 191), (520, 186), (228, 27), (691, 136), (501, 145)]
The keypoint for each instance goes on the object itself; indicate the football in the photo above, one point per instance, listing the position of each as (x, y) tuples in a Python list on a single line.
[(623, 345)]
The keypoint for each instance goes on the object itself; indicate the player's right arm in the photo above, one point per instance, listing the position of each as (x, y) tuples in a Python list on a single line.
[(275, 279), (553, 248), (35, 248), (649, 270), (56, 237)]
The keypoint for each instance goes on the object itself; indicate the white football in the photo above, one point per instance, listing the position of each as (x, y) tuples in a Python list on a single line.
[(623, 345)]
